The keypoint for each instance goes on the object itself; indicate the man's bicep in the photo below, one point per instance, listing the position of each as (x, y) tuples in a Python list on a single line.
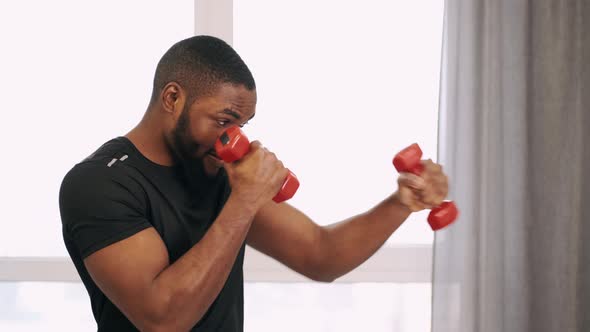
[(286, 234), (125, 272)]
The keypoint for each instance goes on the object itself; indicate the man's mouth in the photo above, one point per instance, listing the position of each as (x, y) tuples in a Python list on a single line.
[(214, 155)]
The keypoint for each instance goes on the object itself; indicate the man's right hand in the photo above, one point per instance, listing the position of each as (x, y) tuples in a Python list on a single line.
[(257, 177)]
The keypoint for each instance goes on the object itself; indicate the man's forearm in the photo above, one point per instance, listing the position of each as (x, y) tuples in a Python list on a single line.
[(190, 285), (347, 244)]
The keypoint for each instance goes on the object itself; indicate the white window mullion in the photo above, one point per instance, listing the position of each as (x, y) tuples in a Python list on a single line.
[(215, 18)]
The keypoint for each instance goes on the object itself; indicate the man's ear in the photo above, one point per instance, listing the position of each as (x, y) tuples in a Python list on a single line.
[(173, 98)]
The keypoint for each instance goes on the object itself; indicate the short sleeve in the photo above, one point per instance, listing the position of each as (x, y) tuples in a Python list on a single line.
[(100, 206)]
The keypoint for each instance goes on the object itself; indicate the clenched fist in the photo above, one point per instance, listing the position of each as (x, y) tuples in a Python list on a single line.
[(425, 191), (257, 177)]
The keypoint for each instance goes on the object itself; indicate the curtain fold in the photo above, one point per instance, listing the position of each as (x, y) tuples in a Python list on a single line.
[(514, 139)]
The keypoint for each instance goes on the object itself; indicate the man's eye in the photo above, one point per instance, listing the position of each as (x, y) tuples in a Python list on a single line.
[(222, 122)]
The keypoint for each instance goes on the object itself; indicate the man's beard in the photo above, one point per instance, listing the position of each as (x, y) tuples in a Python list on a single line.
[(183, 146), (185, 149)]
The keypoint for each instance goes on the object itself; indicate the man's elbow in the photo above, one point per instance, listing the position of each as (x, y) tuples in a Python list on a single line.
[(320, 272), (158, 324), (156, 328), (318, 268), (323, 278), (152, 319), (159, 316)]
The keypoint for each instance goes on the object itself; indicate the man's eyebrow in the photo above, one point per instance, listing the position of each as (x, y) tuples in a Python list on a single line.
[(234, 114)]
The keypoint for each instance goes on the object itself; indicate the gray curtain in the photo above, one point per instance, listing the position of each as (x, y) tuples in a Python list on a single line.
[(514, 138)]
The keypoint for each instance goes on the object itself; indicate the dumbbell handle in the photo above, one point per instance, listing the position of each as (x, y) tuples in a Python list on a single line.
[(408, 160), (233, 144)]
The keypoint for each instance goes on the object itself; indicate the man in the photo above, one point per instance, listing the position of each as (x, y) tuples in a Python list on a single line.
[(156, 224)]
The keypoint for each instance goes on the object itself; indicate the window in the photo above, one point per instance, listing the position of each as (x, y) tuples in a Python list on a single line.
[(32, 306), (73, 75), (342, 87)]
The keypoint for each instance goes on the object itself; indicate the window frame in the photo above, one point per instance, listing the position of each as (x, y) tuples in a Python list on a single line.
[(391, 264)]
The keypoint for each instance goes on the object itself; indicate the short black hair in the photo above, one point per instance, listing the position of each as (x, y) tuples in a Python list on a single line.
[(199, 64)]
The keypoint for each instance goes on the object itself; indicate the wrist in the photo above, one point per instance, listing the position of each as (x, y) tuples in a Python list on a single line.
[(242, 202), (396, 201)]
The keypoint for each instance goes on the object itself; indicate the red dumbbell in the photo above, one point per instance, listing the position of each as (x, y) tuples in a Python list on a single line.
[(408, 160), (233, 144)]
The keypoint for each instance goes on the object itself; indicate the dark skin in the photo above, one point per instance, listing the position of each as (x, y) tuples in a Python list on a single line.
[(158, 296)]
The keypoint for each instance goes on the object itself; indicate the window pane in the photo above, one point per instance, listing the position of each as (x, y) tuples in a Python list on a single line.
[(45, 306), (375, 307), (342, 86), (74, 74)]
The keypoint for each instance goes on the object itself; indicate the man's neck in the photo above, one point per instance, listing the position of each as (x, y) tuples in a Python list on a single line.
[(149, 140)]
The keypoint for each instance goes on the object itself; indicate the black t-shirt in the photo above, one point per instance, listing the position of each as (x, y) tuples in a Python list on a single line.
[(117, 192)]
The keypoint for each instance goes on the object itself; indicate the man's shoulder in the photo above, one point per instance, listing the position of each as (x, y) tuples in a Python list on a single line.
[(103, 179), (116, 149), (102, 200), (109, 163)]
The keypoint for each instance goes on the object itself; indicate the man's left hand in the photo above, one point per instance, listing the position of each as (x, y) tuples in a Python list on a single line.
[(425, 191)]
